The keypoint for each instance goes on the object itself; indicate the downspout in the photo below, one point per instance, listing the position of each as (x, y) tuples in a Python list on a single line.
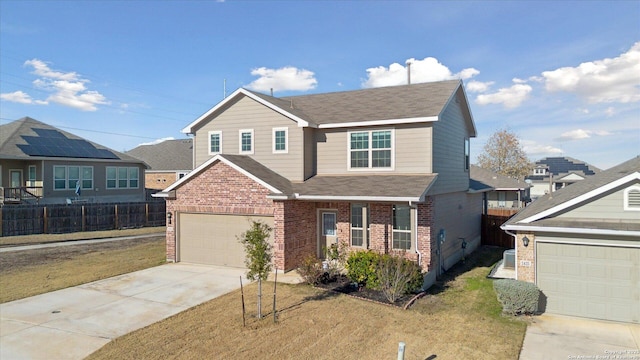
[(515, 245), (415, 220)]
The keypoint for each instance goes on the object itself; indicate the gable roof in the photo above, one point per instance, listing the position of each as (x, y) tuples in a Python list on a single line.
[(494, 180), (422, 102), (169, 155), (560, 166), (29, 139), (540, 212)]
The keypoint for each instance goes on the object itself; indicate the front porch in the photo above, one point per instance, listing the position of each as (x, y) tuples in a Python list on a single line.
[(18, 195), (308, 228)]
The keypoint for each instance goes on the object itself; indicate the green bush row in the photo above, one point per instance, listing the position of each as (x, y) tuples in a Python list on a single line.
[(517, 297), (382, 271)]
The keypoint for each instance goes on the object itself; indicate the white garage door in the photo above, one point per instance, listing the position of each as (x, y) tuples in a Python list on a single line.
[(213, 239), (600, 282)]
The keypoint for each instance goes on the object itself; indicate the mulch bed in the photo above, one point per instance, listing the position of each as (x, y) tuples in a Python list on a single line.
[(343, 285)]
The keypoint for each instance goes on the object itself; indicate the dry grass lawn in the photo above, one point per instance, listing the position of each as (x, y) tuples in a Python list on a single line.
[(32, 272), (45, 238), (459, 320)]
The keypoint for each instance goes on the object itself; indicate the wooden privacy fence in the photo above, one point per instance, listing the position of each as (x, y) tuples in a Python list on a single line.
[(60, 219), (492, 234)]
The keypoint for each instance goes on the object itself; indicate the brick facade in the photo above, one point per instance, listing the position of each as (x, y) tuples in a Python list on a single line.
[(526, 256), (159, 180), (220, 189)]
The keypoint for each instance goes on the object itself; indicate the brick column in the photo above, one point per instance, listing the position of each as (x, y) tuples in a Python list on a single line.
[(526, 261)]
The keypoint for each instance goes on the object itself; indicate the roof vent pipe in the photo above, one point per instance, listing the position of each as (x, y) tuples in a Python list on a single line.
[(271, 91), (409, 72)]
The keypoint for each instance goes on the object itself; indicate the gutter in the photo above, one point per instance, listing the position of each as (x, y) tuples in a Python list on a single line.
[(566, 230), (515, 246)]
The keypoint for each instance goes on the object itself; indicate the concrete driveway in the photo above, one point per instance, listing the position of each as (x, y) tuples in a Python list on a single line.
[(562, 337), (74, 322)]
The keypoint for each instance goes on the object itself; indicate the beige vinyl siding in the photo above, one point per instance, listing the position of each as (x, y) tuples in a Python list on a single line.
[(449, 133), (309, 153), (610, 207), (459, 214), (411, 150), (247, 113)]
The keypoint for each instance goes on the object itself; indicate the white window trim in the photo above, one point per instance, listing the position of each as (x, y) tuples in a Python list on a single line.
[(364, 228), (243, 131), (410, 231), (467, 154), (286, 140), (370, 151), (80, 178), (219, 133), (32, 182), (626, 198), (118, 187)]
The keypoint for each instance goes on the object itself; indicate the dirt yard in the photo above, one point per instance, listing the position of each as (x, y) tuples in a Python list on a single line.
[(31, 272), (459, 319)]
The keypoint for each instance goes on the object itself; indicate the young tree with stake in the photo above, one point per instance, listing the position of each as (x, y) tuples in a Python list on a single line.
[(258, 255)]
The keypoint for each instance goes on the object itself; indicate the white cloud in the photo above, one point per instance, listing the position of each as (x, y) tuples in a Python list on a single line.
[(426, 70), (610, 111), (21, 97), (67, 89), (600, 81), (157, 141), (287, 78), (579, 134), (533, 148), (510, 97), (478, 86)]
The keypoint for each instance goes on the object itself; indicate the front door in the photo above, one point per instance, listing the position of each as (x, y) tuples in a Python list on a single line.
[(16, 178), (328, 231)]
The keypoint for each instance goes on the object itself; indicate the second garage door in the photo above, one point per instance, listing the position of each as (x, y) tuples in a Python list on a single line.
[(212, 239), (600, 282)]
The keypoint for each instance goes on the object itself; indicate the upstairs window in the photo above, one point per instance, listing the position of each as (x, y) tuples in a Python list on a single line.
[(539, 171), (280, 141), (371, 149), (467, 152), (246, 141), (632, 198), (215, 142)]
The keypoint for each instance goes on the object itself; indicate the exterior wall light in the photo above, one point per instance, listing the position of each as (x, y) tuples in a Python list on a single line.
[(525, 241), (169, 218)]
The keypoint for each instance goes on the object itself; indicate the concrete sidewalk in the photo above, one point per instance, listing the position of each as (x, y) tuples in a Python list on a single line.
[(74, 322), (10, 248), (561, 337)]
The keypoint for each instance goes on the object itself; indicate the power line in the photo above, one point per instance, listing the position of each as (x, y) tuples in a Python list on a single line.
[(93, 131)]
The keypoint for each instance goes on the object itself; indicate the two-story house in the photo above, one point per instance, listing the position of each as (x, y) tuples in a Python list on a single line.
[(168, 161), (385, 169), (554, 173), (40, 163)]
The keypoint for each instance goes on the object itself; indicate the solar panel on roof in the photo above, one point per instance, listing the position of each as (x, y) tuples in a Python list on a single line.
[(55, 144)]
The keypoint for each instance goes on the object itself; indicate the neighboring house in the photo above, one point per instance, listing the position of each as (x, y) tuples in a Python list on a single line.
[(42, 164), (556, 173), (385, 169), (581, 245), (507, 193), (168, 161)]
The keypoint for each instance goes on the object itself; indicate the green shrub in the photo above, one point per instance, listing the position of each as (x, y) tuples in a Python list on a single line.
[(361, 268), (517, 297), (397, 276), (311, 270)]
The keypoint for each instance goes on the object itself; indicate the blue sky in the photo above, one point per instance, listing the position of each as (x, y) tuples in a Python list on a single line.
[(563, 75)]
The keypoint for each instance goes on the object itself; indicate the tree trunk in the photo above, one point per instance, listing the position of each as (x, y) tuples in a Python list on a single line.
[(259, 298)]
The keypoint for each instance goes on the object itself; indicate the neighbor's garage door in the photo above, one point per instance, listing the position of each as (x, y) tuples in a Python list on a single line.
[(213, 239), (600, 282)]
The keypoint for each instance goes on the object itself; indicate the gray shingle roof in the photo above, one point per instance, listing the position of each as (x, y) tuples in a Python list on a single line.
[(13, 143), (494, 180), (378, 186), (424, 100), (579, 188), (169, 155), (261, 172)]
